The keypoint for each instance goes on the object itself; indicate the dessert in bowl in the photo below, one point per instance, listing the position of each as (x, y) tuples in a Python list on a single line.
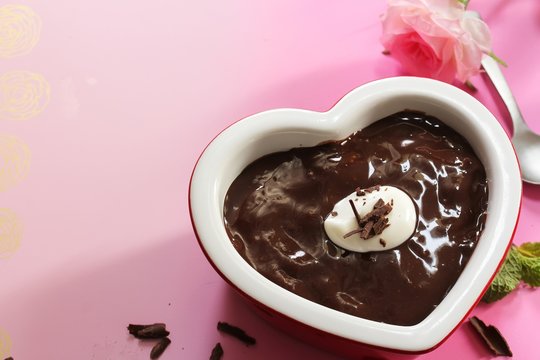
[(224, 202)]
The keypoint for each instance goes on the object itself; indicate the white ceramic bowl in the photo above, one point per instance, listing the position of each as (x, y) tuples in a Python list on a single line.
[(282, 129)]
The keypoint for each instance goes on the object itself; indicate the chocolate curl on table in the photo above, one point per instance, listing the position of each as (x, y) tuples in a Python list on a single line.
[(151, 331), (492, 337), (217, 352), (159, 348), (236, 332)]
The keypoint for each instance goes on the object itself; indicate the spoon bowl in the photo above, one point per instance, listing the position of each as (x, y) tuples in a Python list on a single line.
[(526, 143), (527, 146)]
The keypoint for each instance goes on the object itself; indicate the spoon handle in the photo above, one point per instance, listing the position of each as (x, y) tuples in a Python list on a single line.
[(496, 76)]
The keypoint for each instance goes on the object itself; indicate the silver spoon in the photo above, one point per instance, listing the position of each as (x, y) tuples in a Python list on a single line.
[(526, 142)]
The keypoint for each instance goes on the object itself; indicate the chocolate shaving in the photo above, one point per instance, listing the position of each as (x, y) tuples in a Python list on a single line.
[(378, 204), (152, 331), (372, 189), (379, 210), (492, 337), (380, 225), (217, 352), (364, 233), (373, 223), (9, 358), (159, 348), (156, 331), (334, 213), (362, 192), (133, 328), (356, 215), (352, 232), (382, 242), (236, 332)]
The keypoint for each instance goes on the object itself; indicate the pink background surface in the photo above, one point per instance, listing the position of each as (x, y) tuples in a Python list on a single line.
[(137, 91)]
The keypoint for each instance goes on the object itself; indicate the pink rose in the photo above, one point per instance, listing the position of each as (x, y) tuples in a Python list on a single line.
[(435, 38)]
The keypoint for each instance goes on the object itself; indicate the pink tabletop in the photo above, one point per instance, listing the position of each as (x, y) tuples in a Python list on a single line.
[(106, 106)]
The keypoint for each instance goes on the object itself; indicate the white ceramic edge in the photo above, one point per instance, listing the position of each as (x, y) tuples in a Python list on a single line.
[(283, 129)]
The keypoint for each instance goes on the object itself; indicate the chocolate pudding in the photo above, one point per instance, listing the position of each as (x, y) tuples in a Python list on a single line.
[(275, 209)]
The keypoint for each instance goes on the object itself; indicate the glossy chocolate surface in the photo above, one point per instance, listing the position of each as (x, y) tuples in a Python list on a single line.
[(274, 213)]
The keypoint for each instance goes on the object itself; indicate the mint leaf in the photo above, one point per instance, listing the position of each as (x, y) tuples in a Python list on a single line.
[(531, 271), (529, 249), (530, 259), (507, 279), (521, 263)]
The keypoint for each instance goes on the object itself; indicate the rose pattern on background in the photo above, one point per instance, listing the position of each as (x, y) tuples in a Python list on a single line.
[(23, 95), (10, 232), (5, 344), (20, 29), (14, 161)]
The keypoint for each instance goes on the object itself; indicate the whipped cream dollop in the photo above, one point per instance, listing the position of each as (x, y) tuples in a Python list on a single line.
[(385, 218)]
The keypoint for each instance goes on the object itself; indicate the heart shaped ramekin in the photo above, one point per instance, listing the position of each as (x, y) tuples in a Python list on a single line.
[(277, 130)]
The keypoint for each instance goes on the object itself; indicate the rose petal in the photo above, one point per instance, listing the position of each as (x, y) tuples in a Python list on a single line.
[(479, 32), (435, 38)]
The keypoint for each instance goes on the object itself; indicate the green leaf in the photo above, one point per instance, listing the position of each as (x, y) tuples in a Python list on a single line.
[(531, 271), (522, 263), (530, 259), (530, 249), (507, 279)]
